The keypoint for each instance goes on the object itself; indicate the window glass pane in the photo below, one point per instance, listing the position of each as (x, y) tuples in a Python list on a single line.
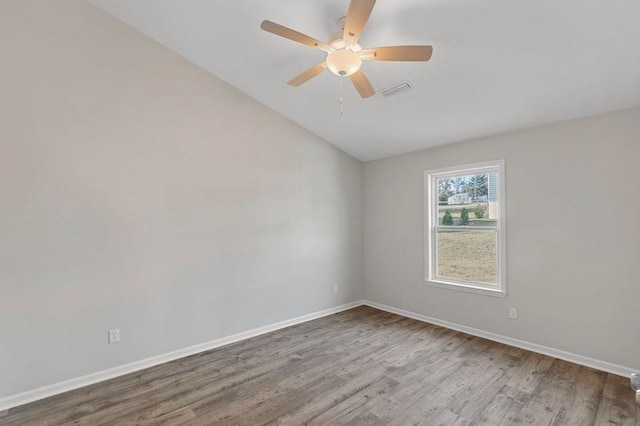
[(467, 255), (470, 200)]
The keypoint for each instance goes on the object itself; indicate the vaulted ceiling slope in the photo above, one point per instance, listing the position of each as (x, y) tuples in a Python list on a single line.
[(497, 65)]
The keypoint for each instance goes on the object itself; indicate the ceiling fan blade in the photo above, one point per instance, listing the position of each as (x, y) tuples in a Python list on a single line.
[(357, 17), (397, 53), (362, 84), (294, 35), (307, 75)]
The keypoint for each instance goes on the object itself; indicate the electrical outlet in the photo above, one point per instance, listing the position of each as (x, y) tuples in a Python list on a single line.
[(513, 313), (335, 288), (114, 335)]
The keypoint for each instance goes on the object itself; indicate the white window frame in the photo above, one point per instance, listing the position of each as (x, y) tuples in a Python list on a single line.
[(431, 222)]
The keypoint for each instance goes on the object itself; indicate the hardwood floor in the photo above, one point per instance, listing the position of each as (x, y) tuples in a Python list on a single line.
[(361, 366)]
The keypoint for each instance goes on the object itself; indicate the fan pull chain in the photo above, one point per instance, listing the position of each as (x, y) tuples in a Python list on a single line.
[(341, 97)]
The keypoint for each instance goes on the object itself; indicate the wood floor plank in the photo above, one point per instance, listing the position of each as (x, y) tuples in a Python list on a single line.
[(357, 404), (175, 418), (617, 407), (238, 400), (324, 402), (584, 398), (361, 366), (448, 418), (479, 393), (551, 397), (535, 369), (278, 405), (501, 410), (430, 404)]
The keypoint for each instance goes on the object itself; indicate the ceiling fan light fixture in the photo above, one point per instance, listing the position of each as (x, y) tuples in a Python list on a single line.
[(343, 62), (344, 54)]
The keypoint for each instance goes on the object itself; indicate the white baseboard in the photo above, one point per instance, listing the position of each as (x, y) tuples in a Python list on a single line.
[(533, 347), (89, 379)]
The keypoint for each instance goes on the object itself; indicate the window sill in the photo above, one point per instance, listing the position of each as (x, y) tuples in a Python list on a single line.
[(467, 288)]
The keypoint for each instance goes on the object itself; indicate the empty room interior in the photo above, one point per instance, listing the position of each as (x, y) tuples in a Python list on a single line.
[(319, 212)]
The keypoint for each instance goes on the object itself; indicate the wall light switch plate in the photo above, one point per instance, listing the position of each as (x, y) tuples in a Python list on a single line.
[(513, 313)]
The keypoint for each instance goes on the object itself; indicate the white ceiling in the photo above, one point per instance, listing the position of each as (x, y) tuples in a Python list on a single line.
[(498, 65)]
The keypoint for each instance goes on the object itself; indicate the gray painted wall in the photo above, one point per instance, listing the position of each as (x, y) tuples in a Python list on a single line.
[(137, 191), (573, 236)]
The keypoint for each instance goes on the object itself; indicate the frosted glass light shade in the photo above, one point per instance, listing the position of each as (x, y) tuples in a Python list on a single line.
[(343, 62)]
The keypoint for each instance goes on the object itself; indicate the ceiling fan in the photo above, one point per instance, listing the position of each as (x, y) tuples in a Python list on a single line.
[(344, 54)]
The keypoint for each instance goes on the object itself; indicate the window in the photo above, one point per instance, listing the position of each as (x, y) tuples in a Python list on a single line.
[(464, 226)]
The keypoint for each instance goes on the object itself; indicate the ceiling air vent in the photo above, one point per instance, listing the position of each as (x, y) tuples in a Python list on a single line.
[(396, 89)]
